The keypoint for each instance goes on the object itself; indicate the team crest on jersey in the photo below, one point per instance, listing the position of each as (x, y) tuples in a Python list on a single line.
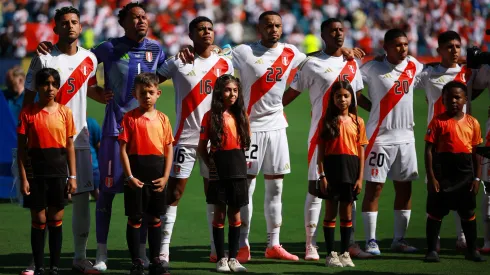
[(149, 56), (109, 182), (351, 68), (217, 72), (285, 61), (410, 74), (84, 70)]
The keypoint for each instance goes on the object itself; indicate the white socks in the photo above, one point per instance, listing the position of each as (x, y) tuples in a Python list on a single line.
[(486, 218), (369, 219), (401, 219), (168, 221), (80, 224), (313, 207), (246, 214), (210, 217), (353, 219), (273, 210), (459, 229)]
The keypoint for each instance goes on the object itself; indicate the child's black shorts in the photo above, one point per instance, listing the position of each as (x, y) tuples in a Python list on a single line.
[(46, 192), (138, 201), (462, 199), (232, 192), (343, 192)]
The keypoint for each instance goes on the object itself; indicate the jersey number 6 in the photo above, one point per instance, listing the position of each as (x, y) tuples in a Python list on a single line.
[(179, 155)]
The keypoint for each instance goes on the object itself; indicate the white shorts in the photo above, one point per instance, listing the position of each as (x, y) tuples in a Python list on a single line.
[(313, 167), (397, 162), (185, 157), (85, 174), (268, 153)]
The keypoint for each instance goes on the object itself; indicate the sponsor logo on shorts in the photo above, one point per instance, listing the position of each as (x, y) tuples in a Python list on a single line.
[(375, 172), (109, 182), (176, 169)]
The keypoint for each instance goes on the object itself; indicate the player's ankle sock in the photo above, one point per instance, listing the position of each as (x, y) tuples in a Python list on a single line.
[(37, 243), (273, 210), (103, 217), (246, 214), (80, 224), (210, 217), (402, 218), (469, 228), (313, 207), (233, 239), (133, 238), (369, 219), (168, 221), (486, 217), (219, 240), (154, 239), (102, 248), (55, 240), (345, 232), (457, 223), (352, 238), (432, 229), (329, 234)]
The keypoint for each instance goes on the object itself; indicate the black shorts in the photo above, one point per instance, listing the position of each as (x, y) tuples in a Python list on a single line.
[(232, 192), (461, 200), (46, 192), (343, 192), (138, 201)]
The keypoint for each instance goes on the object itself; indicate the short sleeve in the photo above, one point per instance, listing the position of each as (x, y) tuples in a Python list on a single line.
[(422, 78), (125, 133), (299, 57), (23, 122), (432, 131), (92, 79), (301, 81), (238, 56), (102, 51), (365, 71), (70, 124), (204, 127), (168, 68), (357, 82), (362, 133), (477, 139), (36, 66)]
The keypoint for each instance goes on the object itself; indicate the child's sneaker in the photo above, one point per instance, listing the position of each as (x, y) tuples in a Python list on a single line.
[(158, 268), (277, 252), (355, 251), (402, 245), (243, 255), (474, 256), (432, 257), (312, 253), (372, 247), (222, 265), (333, 260), (39, 271), (235, 266), (137, 268), (346, 260)]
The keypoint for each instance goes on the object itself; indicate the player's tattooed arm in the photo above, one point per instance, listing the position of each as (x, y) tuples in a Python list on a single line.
[(432, 183), (363, 101)]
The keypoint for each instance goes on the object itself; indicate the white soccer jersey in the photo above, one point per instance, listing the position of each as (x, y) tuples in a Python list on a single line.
[(317, 74), (390, 88), (77, 73), (193, 84), (263, 73), (433, 79)]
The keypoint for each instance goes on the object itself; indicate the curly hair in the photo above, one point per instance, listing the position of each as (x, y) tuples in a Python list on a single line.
[(217, 132), (65, 10), (330, 122), (125, 10)]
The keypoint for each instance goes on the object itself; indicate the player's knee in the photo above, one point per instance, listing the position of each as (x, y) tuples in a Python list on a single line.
[(154, 222), (135, 222), (233, 222), (218, 223), (55, 214)]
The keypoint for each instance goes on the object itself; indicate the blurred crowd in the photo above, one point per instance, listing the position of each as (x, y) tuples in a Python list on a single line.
[(365, 21)]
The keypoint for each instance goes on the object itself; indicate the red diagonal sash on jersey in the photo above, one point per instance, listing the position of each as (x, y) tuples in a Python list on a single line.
[(75, 81), (462, 77), (389, 101), (262, 86), (348, 72), (195, 97)]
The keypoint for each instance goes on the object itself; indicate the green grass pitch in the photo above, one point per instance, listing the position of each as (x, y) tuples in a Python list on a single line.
[(189, 250)]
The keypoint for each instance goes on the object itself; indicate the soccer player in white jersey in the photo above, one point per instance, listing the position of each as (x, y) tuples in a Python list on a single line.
[(193, 85), (432, 79), (391, 150), (77, 67), (317, 74)]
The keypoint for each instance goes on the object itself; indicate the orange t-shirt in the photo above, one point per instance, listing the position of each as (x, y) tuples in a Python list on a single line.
[(230, 140), (347, 142)]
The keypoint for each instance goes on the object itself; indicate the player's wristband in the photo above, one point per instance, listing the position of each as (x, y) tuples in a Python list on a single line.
[(477, 179), (72, 177), (129, 178)]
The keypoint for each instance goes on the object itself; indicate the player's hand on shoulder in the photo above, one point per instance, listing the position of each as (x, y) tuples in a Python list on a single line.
[(108, 95), (358, 187), (25, 188), (433, 186), (135, 183), (44, 48), (186, 54), (71, 186), (353, 53), (358, 53), (475, 186), (159, 184)]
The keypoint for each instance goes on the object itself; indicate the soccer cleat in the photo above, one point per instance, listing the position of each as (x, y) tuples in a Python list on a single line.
[(346, 260), (432, 257), (222, 265), (28, 271), (101, 262), (243, 254), (54, 271), (355, 251), (333, 260), (137, 268), (461, 245), (164, 259), (372, 247), (235, 266), (402, 245), (159, 267), (278, 252), (84, 266), (485, 249), (312, 253), (39, 271), (474, 256)]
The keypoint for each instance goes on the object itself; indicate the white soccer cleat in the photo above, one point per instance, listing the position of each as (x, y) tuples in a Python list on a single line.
[(346, 260), (101, 262), (403, 246), (372, 247), (84, 266), (235, 266), (333, 260), (164, 259), (222, 265), (355, 251), (312, 253)]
